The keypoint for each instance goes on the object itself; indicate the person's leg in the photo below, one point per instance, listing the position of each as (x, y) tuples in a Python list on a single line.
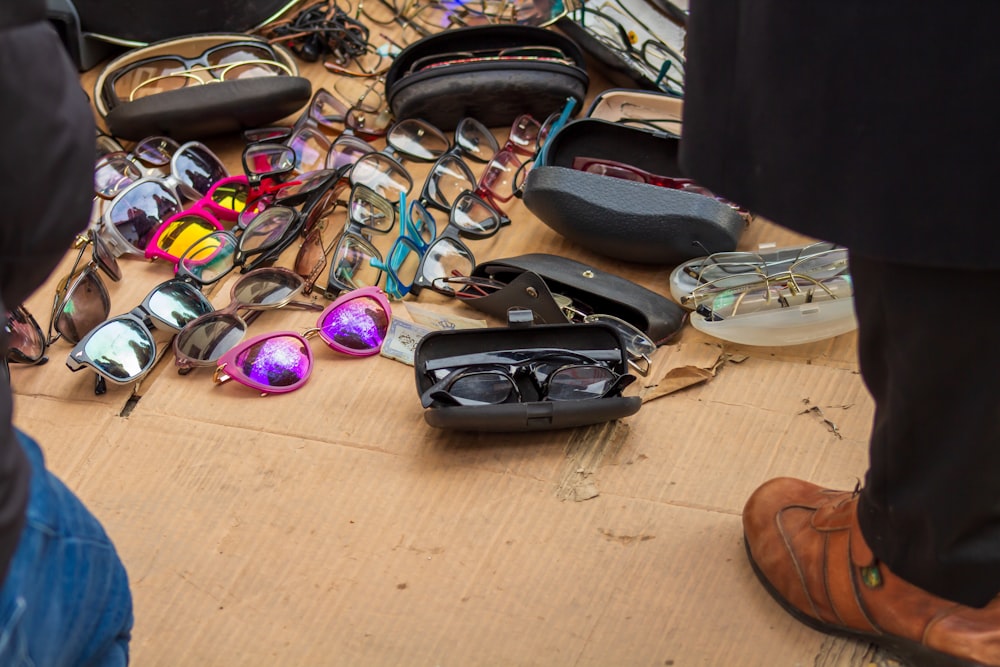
[(930, 507), (916, 569), (66, 599)]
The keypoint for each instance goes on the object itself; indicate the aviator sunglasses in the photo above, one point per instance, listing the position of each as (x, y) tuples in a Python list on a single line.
[(354, 324)]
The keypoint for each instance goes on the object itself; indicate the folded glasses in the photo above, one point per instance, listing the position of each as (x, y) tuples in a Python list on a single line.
[(520, 376), (346, 150), (223, 62), (354, 324), (81, 300), (367, 213), (326, 113), (822, 262), (123, 349), (206, 338), (718, 301), (267, 160), (356, 261), (425, 18), (661, 64), (497, 182), (628, 172)]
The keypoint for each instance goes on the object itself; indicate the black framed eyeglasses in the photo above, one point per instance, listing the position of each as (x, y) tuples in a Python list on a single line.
[(470, 217), (520, 376)]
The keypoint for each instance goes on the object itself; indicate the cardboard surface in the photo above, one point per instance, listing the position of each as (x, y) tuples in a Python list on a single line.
[(332, 526)]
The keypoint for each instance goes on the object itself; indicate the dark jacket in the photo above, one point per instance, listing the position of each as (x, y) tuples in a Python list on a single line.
[(46, 182), (872, 123)]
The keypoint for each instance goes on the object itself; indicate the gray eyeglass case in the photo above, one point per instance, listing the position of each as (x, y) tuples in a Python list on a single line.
[(627, 220), (540, 415), (492, 92)]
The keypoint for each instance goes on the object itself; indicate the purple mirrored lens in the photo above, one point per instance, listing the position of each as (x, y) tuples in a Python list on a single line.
[(359, 324), (280, 361)]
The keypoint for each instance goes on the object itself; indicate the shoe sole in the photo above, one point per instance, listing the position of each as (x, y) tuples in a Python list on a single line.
[(912, 653)]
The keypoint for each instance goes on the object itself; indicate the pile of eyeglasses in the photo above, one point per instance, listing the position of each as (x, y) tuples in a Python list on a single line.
[(783, 296), (380, 198), (177, 204)]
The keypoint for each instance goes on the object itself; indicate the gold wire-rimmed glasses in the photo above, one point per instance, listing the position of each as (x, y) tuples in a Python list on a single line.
[(241, 69), (824, 259), (817, 277)]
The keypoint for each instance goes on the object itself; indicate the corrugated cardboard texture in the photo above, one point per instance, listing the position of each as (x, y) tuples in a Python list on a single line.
[(332, 526)]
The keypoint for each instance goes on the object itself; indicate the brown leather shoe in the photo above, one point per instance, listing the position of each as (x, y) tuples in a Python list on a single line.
[(806, 548)]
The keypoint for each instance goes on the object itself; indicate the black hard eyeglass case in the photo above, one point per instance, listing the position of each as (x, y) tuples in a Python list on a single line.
[(628, 220), (494, 92), (594, 339)]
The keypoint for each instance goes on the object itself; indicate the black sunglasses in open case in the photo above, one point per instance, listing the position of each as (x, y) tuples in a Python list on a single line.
[(523, 377)]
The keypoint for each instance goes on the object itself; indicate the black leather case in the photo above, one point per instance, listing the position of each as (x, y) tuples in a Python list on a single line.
[(218, 108), (492, 92), (627, 220), (199, 111), (532, 280), (595, 339)]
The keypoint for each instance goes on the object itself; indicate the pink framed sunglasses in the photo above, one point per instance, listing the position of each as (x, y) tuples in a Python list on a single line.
[(279, 362)]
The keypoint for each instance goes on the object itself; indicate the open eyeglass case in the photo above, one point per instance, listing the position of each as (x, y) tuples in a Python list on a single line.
[(491, 73), (628, 220), (595, 341), (535, 281), (198, 111)]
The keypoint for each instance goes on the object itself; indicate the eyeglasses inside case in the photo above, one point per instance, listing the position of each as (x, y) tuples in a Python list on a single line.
[(615, 217), (531, 416), (494, 92)]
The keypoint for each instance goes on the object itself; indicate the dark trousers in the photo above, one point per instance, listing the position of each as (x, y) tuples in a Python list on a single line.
[(930, 507)]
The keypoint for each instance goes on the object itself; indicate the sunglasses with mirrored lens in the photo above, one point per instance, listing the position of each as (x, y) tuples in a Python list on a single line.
[(132, 217), (355, 324), (81, 300), (123, 348), (26, 343), (206, 338)]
